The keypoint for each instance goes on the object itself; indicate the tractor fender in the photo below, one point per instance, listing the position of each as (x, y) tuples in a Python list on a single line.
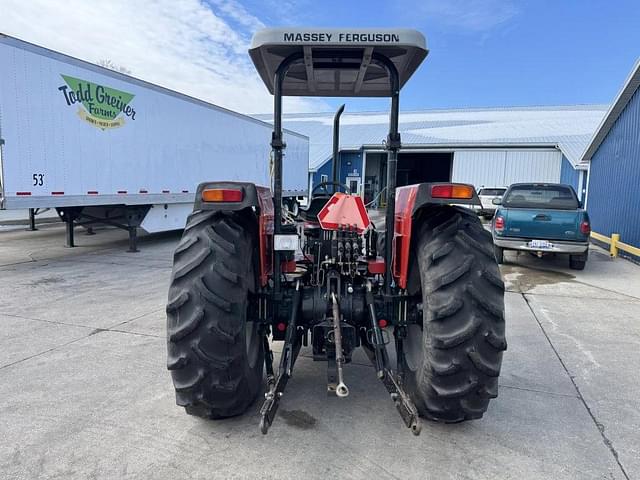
[(410, 200), (258, 202)]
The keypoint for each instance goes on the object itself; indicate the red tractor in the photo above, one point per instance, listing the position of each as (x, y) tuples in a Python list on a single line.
[(247, 273)]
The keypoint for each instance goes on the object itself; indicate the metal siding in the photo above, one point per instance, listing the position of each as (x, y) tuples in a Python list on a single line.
[(350, 165), (532, 166), (614, 179), (479, 168), (621, 101), (352, 170), (569, 175), (497, 168), (323, 170)]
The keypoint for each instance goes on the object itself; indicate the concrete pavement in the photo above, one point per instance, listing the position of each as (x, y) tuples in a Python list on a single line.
[(87, 395)]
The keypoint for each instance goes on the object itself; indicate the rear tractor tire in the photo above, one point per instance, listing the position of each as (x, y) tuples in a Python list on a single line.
[(214, 354), (452, 361)]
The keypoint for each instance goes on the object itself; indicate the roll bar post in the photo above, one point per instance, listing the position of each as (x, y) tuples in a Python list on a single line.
[(392, 146), (278, 145)]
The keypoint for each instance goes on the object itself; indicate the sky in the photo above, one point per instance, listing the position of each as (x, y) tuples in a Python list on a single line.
[(483, 53)]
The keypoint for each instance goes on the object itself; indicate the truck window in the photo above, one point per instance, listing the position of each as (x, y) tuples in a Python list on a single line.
[(495, 192), (557, 197)]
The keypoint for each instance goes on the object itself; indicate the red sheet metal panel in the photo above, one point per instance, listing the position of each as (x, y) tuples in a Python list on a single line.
[(265, 233), (405, 200)]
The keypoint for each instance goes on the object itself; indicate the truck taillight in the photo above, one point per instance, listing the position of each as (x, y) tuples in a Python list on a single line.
[(585, 228), (498, 224), (222, 195)]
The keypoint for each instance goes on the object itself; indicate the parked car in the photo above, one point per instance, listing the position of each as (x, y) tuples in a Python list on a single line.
[(541, 218), (487, 195)]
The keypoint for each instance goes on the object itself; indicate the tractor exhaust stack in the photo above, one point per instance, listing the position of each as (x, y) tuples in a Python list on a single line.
[(335, 166)]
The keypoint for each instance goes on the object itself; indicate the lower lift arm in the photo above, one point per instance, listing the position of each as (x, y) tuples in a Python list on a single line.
[(391, 381), (292, 344)]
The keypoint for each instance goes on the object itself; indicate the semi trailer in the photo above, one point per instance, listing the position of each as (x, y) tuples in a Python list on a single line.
[(100, 146)]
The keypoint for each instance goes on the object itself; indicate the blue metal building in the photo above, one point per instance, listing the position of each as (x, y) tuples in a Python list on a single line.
[(613, 156)]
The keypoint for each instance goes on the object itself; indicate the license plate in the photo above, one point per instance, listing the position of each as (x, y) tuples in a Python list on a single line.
[(541, 244)]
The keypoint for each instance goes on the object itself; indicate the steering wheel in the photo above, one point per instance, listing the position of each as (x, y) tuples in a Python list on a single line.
[(323, 186)]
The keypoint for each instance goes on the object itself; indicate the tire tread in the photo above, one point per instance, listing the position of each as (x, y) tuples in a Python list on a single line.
[(208, 295), (463, 316)]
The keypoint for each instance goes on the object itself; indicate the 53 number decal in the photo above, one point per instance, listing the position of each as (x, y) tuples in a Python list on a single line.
[(38, 179)]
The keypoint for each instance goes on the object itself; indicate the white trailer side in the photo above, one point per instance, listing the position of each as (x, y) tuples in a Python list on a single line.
[(77, 136)]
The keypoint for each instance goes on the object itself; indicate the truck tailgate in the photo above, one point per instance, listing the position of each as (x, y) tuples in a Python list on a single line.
[(544, 224)]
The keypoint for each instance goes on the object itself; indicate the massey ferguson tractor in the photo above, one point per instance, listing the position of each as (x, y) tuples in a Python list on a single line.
[(247, 273)]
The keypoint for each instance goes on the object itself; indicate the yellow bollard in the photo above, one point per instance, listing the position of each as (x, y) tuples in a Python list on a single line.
[(613, 250)]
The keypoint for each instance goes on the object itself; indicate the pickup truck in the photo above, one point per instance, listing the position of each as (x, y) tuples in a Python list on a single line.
[(541, 218), (486, 195)]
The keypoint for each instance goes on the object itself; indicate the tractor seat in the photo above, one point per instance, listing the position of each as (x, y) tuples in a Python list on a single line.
[(310, 214)]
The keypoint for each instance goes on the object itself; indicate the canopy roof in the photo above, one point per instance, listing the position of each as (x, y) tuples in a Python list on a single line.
[(337, 62)]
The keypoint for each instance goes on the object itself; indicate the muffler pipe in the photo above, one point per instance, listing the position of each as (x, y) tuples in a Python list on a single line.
[(341, 390), (335, 168)]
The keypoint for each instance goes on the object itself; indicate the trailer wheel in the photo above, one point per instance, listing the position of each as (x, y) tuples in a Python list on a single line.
[(214, 354), (453, 358), (292, 206)]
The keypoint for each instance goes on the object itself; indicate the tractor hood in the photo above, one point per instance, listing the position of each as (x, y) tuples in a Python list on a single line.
[(337, 62)]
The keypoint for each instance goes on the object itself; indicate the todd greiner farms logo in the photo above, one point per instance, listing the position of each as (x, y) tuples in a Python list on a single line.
[(104, 107)]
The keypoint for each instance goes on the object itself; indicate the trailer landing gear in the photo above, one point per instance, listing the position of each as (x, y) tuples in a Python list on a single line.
[(32, 219), (69, 216), (125, 217)]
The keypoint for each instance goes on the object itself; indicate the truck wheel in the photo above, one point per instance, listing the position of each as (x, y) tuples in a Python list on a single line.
[(499, 253), (577, 262), (214, 354), (453, 359)]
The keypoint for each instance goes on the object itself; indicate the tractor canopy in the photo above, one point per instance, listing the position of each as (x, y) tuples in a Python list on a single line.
[(337, 62)]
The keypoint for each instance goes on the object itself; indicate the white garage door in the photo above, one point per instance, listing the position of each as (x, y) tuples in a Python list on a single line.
[(496, 168)]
